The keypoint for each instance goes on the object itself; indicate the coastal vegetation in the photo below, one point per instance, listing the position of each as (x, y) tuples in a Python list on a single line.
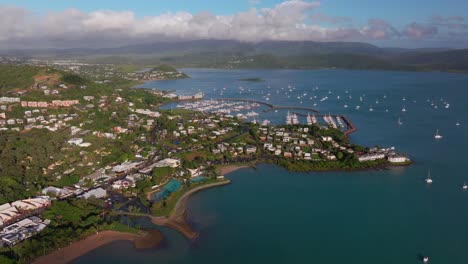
[(71, 221), (115, 139)]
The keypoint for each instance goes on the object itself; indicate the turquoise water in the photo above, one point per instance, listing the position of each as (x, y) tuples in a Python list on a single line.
[(197, 179), (168, 188), (269, 215)]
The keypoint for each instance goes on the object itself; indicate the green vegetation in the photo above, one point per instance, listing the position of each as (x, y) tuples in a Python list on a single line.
[(165, 68), (347, 163), (17, 76), (166, 206), (128, 68), (73, 79), (162, 172), (71, 221), (23, 160)]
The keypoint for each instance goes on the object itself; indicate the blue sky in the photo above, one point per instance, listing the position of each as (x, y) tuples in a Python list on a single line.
[(406, 23), (395, 11)]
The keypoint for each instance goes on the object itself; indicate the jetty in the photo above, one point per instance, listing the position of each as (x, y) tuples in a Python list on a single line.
[(270, 106), (292, 108), (246, 101), (350, 128)]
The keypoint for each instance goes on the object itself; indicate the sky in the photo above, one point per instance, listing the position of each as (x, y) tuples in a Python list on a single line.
[(106, 23)]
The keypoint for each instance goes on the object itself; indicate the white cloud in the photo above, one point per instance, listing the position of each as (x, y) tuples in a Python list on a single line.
[(289, 20)]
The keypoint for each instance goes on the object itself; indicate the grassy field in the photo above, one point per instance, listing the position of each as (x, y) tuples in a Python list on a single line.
[(16, 76)]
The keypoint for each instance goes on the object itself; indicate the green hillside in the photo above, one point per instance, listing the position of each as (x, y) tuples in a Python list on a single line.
[(17, 76)]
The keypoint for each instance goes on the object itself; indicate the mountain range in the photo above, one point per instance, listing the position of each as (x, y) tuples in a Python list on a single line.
[(267, 54)]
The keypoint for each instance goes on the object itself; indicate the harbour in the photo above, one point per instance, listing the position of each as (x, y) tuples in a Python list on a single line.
[(395, 208)]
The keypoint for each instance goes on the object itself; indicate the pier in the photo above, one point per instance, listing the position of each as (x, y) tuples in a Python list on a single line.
[(270, 106), (245, 100), (349, 125), (293, 108)]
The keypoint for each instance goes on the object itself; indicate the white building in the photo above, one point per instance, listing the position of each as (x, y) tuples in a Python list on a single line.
[(97, 193), (75, 141), (370, 157), (397, 159), (173, 163)]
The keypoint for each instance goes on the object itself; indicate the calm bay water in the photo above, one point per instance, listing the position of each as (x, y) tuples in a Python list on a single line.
[(269, 215)]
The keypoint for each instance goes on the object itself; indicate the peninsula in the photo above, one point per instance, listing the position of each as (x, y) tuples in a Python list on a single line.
[(91, 150)]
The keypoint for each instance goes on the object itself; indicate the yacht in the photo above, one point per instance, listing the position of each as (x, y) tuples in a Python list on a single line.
[(457, 124), (425, 259), (309, 119), (346, 105), (357, 107), (465, 186), (371, 109), (437, 135), (399, 122), (403, 109), (428, 179)]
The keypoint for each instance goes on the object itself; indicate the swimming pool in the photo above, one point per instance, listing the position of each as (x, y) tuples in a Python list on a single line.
[(170, 187)]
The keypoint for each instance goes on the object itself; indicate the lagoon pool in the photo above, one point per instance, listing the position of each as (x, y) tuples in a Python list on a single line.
[(168, 188)]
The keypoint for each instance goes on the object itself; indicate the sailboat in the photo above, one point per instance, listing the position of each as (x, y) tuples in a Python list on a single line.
[(403, 109), (437, 136), (425, 259), (399, 122), (465, 186), (457, 124), (371, 109), (428, 179)]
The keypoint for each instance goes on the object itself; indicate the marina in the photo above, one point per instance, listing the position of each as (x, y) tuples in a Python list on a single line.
[(414, 207)]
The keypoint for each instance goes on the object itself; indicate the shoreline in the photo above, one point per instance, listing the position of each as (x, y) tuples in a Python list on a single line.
[(228, 168), (177, 220), (84, 246)]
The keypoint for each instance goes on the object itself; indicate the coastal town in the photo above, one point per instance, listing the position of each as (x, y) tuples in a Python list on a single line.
[(114, 150)]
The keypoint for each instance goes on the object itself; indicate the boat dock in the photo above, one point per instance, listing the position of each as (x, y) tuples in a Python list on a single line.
[(350, 128), (270, 106)]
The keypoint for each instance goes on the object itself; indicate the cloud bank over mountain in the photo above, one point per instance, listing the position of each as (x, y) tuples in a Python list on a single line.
[(295, 20)]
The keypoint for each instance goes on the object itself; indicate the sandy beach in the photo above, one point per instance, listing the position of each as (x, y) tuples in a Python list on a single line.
[(225, 169), (175, 221), (177, 218), (77, 249)]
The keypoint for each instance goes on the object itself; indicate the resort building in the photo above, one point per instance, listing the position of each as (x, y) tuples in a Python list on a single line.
[(173, 163), (397, 159), (96, 193)]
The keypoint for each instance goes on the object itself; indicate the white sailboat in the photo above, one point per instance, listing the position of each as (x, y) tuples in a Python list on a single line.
[(458, 123), (399, 122), (403, 109), (425, 259), (465, 186), (428, 179), (437, 135)]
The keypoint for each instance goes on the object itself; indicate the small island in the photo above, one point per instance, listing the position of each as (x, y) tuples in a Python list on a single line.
[(252, 80), (106, 153)]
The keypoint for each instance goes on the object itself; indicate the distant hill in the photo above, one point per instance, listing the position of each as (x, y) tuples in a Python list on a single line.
[(165, 68), (267, 54), (16, 76)]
